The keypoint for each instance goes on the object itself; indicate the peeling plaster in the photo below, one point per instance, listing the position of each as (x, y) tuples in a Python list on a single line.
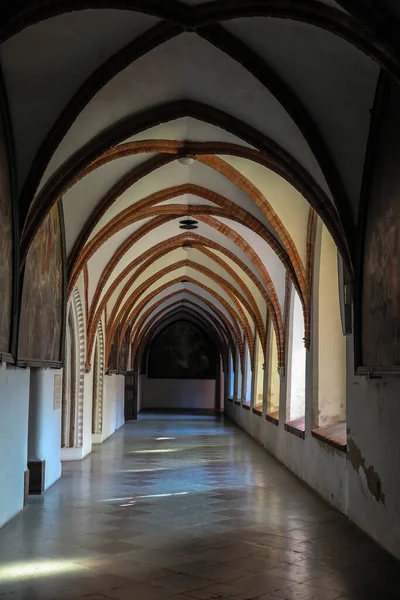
[(328, 448), (358, 462)]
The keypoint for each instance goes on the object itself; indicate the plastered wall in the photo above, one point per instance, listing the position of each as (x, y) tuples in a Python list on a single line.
[(44, 424), (320, 465), (14, 409), (185, 394), (113, 404), (373, 419), (362, 483)]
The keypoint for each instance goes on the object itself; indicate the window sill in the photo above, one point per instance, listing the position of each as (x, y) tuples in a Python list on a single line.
[(257, 411), (334, 435), (273, 417), (297, 427), (230, 399), (237, 402), (245, 406)]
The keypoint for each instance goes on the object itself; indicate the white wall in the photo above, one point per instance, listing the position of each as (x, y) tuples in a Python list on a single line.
[(113, 404), (120, 401), (44, 437), (364, 482), (87, 413), (320, 465), (14, 408), (185, 394), (373, 419)]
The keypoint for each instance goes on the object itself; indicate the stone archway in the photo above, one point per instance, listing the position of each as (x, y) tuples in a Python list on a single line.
[(98, 376), (74, 376)]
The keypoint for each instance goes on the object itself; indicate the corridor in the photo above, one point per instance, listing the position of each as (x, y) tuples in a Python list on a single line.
[(186, 507)]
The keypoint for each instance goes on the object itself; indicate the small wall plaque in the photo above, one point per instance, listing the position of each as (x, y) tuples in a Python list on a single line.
[(57, 392)]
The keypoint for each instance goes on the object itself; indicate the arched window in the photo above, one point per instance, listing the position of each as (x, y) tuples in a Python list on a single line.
[(69, 401), (248, 376), (231, 376), (273, 378), (238, 376), (74, 376), (259, 375), (329, 343), (98, 375), (296, 393)]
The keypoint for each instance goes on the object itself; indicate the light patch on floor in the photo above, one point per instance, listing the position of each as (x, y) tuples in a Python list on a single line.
[(216, 518)]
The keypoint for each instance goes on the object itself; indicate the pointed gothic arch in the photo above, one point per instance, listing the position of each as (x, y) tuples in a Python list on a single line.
[(68, 413), (98, 381), (74, 376)]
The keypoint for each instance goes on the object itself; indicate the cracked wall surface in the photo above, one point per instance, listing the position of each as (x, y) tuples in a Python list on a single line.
[(358, 463)]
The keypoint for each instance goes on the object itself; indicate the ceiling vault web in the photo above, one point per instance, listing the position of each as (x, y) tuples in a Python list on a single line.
[(249, 116)]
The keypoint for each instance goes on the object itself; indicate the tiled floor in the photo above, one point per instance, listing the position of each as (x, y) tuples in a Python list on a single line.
[(186, 508)]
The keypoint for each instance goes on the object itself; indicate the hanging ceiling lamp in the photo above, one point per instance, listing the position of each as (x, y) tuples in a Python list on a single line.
[(188, 224)]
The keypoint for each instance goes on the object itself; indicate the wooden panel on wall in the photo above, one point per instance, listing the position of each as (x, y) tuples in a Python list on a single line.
[(183, 351), (6, 245), (42, 303), (379, 296)]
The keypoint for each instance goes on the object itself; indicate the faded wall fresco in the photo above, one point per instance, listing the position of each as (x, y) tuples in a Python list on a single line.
[(42, 294), (113, 357), (183, 351), (6, 246), (123, 353), (381, 276)]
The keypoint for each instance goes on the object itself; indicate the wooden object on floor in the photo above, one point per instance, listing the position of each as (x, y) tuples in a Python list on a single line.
[(36, 476)]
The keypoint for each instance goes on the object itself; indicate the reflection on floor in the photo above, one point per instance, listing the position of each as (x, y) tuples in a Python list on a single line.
[(186, 508)]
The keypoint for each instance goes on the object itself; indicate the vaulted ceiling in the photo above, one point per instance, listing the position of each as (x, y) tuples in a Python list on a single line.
[(270, 101)]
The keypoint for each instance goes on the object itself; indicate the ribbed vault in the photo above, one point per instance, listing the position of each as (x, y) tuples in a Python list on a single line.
[(250, 117)]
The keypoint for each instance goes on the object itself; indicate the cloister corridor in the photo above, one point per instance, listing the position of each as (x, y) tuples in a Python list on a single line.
[(186, 507)]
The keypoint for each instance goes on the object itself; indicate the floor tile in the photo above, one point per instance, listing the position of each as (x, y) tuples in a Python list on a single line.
[(217, 518)]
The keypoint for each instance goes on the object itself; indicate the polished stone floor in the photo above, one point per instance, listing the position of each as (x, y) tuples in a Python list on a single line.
[(187, 508)]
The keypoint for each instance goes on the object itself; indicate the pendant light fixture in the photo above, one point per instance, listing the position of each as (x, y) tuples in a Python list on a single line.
[(188, 224)]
